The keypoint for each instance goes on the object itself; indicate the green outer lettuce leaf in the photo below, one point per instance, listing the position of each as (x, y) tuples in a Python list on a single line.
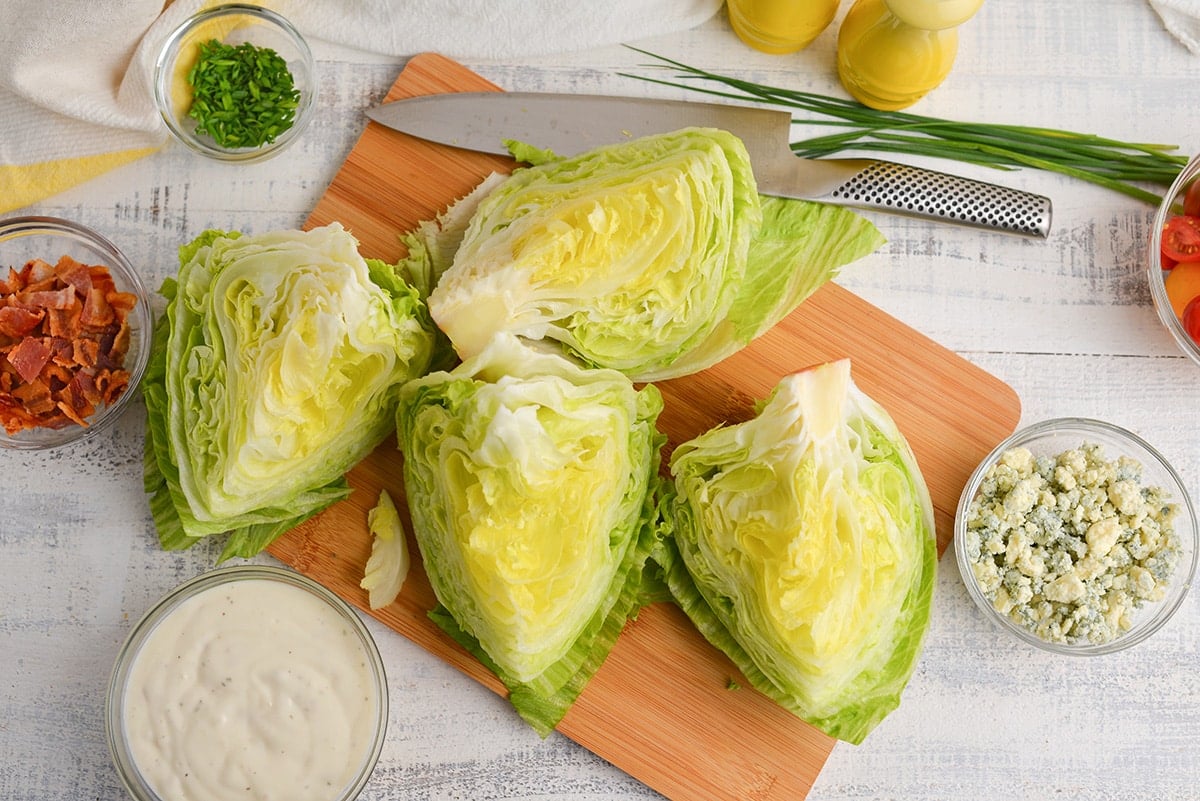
[(802, 545), (527, 153), (530, 481), (799, 247), (276, 368)]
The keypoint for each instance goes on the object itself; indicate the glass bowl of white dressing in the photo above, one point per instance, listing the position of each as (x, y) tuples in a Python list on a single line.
[(251, 682)]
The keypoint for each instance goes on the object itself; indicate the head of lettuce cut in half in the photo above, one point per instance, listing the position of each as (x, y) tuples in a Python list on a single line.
[(656, 256), (803, 547), (530, 482), (276, 367)]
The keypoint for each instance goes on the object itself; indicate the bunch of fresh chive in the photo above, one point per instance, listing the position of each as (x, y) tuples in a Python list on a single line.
[(243, 96), (1110, 163)]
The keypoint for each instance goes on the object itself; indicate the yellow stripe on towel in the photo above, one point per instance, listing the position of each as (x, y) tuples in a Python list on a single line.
[(24, 184)]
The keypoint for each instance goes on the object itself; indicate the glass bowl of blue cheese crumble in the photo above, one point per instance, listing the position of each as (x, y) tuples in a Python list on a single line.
[(1076, 536)]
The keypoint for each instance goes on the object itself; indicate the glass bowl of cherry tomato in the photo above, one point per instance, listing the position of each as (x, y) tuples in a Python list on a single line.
[(1174, 268)]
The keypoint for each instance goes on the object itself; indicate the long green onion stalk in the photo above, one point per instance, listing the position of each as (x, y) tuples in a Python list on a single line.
[(1116, 165)]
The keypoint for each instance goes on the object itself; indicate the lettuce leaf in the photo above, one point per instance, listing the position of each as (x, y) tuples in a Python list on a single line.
[(387, 566)]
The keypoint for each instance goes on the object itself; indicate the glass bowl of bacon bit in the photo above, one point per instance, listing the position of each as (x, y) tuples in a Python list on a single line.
[(75, 331)]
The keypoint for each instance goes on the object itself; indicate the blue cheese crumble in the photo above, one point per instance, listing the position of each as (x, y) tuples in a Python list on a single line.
[(1069, 546)]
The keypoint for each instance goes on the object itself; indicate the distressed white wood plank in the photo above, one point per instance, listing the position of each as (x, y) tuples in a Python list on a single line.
[(1067, 322)]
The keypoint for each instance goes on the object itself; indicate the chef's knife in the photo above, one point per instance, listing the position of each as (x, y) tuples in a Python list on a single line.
[(571, 124)]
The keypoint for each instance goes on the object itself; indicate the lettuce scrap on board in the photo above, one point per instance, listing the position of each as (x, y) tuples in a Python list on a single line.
[(656, 256), (275, 369), (802, 545), (387, 566), (531, 485)]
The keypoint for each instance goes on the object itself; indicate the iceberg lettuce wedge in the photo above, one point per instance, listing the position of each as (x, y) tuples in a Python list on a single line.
[(802, 545), (529, 480), (275, 369), (656, 257)]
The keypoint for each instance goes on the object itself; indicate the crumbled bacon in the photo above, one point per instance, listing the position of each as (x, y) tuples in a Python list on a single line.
[(79, 276), (40, 274), (96, 311), (29, 357), (11, 283), (61, 299), (16, 322), (64, 333)]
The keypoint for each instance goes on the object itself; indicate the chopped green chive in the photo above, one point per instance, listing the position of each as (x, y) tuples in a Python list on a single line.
[(243, 95)]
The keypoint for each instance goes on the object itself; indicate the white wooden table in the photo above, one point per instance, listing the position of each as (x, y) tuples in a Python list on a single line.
[(1067, 322)]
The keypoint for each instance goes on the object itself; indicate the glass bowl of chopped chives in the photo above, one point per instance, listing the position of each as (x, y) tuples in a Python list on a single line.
[(235, 83), (1076, 536)]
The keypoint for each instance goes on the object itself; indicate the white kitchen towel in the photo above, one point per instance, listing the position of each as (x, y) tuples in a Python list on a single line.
[(1182, 19), (75, 75)]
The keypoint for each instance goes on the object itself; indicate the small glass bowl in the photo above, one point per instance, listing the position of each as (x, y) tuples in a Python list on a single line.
[(231, 24), (1172, 205), (1050, 438), (49, 238), (119, 690)]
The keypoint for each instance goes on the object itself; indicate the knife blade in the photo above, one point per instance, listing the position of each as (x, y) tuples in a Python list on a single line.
[(573, 124)]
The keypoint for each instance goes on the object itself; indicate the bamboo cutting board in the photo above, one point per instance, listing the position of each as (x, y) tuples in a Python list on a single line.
[(660, 708)]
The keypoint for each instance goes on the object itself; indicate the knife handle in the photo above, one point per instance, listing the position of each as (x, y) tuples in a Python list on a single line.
[(917, 192)]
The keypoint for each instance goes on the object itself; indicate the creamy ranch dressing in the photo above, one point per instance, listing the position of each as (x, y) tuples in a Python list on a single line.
[(251, 689)]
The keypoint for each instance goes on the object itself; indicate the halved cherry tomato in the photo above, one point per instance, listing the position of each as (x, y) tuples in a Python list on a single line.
[(1191, 319), (1182, 284), (1181, 238)]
